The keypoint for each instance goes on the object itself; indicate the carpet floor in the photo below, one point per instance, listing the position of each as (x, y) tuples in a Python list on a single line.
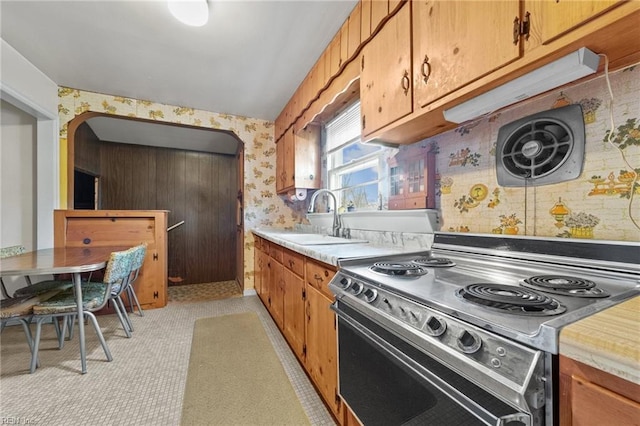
[(145, 382), (232, 358)]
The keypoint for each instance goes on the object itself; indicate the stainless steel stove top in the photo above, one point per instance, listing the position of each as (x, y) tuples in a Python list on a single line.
[(458, 263)]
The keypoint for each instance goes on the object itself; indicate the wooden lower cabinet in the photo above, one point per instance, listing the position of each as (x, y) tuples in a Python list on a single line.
[(592, 397), (276, 291), (350, 419), (294, 312), (126, 228), (294, 289), (322, 348)]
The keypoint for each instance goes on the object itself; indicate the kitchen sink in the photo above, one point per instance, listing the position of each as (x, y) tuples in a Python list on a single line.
[(317, 239)]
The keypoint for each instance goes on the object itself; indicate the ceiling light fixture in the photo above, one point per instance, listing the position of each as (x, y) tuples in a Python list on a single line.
[(576, 65), (191, 12)]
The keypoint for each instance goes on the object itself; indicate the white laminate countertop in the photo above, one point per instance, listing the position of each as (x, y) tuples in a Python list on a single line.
[(331, 254)]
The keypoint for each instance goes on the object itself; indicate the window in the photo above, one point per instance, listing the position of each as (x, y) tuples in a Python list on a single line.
[(355, 171)]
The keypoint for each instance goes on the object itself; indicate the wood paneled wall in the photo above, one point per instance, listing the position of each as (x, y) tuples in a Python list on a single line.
[(199, 188), (87, 150)]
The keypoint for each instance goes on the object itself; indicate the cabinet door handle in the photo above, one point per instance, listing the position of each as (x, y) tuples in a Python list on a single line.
[(425, 69), (406, 82), (516, 30)]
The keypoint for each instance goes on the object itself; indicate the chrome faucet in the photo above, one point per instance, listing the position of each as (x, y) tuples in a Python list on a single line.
[(336, 217)]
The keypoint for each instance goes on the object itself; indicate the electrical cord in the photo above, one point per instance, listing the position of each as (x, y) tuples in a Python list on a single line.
[(610, 141)]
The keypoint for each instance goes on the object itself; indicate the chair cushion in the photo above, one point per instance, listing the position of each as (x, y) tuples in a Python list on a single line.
[(12, 308), (93, 297), (42, 287)]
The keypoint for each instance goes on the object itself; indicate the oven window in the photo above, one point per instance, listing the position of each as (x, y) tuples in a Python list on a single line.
[(381, 389)]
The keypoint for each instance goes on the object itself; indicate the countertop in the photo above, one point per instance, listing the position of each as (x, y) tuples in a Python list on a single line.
[(332, 254), (608, 340)]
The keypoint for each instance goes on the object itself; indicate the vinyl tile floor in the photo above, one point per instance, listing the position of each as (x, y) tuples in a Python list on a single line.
[(143, 385)]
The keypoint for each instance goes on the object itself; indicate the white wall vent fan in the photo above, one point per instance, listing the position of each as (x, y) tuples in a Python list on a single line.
[(541, 149)]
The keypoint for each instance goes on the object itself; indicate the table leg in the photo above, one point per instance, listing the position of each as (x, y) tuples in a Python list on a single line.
[(77, 283)]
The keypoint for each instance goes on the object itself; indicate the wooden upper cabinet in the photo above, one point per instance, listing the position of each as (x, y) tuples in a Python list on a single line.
[(354, 33), (334, 55), (289, 159), (450, 44), (554, 18), (379, 11), (298, 159), (385, 74), (280, 162), (344, 43), (365, 19)]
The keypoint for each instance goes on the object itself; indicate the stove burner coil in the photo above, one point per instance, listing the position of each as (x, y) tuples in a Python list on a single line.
[(569, 286), (405, 269), (511, 299), (434, 262)]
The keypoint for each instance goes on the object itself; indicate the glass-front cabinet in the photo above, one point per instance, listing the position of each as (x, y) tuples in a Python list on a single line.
[(412, 179)]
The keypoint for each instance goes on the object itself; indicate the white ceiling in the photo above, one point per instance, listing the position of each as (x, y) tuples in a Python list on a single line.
[(248, 60), (110, 129)]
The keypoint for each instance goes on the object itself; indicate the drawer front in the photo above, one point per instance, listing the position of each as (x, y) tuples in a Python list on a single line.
[(275, 251), (419, 202), (396, 203), (294, 262), (257, 242), (318, 275)]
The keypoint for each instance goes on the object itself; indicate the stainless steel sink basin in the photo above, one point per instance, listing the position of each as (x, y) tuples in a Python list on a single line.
[(317, 239)]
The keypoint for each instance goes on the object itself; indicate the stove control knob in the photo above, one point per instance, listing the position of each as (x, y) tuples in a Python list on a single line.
[(370, 295), (345, 282), (357, 288), (436, 326), (469, 342)]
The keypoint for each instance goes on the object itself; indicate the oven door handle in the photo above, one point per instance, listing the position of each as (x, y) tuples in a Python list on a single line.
[(481, 413)]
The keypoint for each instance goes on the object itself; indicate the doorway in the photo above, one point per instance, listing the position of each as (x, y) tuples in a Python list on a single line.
[(200, 190), (85, 192)]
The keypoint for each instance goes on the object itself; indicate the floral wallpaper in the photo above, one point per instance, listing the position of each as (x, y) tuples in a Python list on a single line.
[(602, 203), (262, 207)]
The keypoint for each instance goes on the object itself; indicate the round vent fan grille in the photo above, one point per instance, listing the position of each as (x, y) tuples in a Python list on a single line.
[(537, 148), (541, 149)]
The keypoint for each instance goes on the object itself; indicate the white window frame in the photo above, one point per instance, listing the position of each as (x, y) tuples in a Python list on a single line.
[(346, 134)]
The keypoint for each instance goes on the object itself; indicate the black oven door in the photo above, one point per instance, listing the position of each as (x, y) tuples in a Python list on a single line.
[(386, 381)]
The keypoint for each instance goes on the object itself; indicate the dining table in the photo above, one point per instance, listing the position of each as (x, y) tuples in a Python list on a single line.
[(61, 260)]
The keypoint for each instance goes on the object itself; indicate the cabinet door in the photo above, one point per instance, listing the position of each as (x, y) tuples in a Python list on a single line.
[(306, 167), (257, 267), (265, 279), (456, 42), (276, 292), (289, 160), (553, 18), (322, 348), (385, 77), (280, 173), (294, 312)]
